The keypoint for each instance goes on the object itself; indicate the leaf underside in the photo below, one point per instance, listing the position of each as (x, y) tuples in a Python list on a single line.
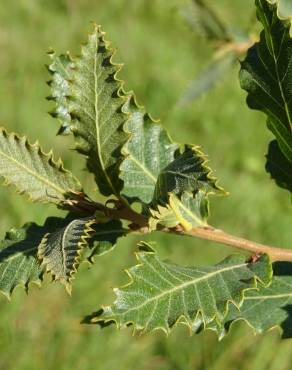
[(33, 172), (161, 294), (60, 250)]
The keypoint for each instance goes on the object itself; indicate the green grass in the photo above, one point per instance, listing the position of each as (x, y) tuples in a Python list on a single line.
[(161, 55)]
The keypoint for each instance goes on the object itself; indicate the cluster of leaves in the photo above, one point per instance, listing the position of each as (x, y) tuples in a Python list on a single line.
[(266, 74), (133, 159)]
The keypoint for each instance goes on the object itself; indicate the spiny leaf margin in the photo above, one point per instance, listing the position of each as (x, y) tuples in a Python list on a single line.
[(250, 277), (46, 250), (32, 160)]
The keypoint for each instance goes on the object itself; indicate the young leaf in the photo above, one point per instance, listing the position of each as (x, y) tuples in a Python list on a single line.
[(160, 294), (18, 255), (61, 70), (34, 172), (266, 76), (162, 214), (269, 307), (97, 101), (147, 152), (278, 166), (190, 210), (59, 250)]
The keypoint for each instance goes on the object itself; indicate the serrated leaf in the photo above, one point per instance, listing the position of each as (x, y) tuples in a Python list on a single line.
[(266, 75), (160, 294), (34, 172), (104, 237), (97, 101), (59, 250), (61, 69), (188, 172), (18, 255), (269, 307), (182, 188), (147, 152), (279, 167)]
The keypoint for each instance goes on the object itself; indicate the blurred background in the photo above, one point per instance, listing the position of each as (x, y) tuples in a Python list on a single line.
[(163, 52)]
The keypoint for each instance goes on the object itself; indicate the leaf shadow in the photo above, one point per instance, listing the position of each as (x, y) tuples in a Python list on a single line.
[(25, 241), (96, 319)]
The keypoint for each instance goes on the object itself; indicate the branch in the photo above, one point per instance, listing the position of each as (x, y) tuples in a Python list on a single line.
[(219, 236), (139, 223)]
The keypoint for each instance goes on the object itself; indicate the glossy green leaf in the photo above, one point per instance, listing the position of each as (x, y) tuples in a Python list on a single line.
[(188, 172), (60, 250), (160, 294), (183, 188), (34, 172), (147, 152), (279, 167), (97, 101), (266, 75)]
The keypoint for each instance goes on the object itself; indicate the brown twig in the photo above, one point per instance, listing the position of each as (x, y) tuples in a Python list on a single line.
[(139, 223), (219, 236)]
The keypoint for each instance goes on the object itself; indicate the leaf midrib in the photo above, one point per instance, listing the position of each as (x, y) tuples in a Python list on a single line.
[(98, 145), (63, 245), (265, 297), (184, 285), (145, 170), (41, 178)]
